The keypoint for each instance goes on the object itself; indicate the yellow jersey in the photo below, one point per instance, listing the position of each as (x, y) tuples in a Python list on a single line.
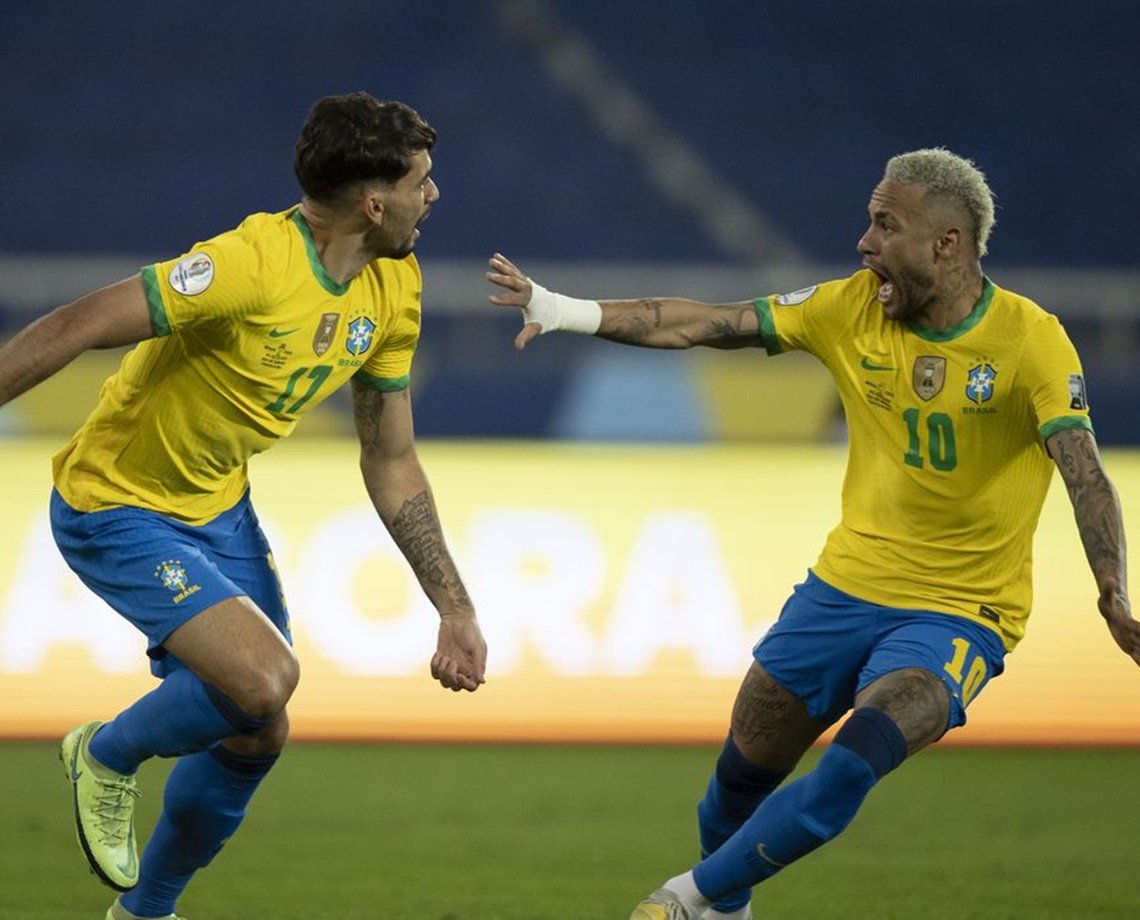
[(946, 470), (251, 333)]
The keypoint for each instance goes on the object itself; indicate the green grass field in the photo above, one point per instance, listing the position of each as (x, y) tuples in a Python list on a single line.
[(528, 833)]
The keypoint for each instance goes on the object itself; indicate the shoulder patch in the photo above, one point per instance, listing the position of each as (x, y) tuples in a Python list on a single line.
[(1078, 397), (192, 274), (796, 297)]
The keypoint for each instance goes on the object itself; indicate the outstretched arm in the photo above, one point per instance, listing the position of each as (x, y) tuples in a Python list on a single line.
[(651, 322), (1101, 526), (402, 497), (106, 318)]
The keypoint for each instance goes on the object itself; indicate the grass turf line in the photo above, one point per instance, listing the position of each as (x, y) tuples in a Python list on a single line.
[(441, 832)]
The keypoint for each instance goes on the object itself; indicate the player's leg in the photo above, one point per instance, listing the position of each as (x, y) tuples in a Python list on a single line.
[(805, 672), (924, 669), (247, 675), (207, 793), (204, 803), (771, 731), (238, 674), (158, 575)]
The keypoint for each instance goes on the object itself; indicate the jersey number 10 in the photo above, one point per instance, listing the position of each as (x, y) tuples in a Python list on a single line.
[(940, 441)]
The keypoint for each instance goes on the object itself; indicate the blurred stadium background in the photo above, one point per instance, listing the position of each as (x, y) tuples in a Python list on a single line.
[(715, 149)]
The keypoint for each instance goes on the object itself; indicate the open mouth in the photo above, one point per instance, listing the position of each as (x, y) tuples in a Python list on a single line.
[(886, 286)]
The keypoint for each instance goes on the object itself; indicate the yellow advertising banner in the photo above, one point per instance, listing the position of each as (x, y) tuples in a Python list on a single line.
[(620, 590)]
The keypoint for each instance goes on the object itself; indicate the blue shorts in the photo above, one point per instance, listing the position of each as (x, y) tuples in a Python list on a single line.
[(827, 646), (158, 572)]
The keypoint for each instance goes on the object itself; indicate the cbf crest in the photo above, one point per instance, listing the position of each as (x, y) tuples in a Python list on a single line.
[(360, 332), (928, 376), (172, 574), (980, 383)]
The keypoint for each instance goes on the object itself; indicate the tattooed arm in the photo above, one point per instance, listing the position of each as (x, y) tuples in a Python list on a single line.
[(651, 322), (402, 497), (1101, 526)]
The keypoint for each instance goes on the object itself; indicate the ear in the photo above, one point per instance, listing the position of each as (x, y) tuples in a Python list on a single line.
[(373, 204), (947, 244)]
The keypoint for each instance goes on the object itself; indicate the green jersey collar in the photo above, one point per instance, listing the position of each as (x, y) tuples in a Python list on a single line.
[(960, 328), (333, 287)]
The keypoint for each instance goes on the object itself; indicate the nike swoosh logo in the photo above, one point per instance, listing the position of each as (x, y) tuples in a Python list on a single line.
[(276, 333), (868, 366), (768, 859)]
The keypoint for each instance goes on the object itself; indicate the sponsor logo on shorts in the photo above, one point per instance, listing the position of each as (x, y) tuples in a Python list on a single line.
[(173, 576)]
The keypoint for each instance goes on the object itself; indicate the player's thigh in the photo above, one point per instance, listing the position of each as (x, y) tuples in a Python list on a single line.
[(235, 647), (770, 725)]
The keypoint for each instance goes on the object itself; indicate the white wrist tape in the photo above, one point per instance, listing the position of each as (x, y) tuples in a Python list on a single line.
[(557, 311)]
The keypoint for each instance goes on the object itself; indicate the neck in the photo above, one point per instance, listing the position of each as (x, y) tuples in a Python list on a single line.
[(960, 293), (338, 240)]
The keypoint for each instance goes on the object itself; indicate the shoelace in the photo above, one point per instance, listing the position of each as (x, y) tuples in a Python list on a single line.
[(113, 827)]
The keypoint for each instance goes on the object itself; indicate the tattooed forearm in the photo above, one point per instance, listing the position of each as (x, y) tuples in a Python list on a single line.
[(678, 323), (417, 533), (366, 407), (1096, 506)]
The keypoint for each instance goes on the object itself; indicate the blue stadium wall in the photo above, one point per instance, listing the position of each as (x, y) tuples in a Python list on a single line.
[(139, 128)]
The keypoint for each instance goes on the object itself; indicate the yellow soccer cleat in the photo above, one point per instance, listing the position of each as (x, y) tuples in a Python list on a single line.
[(662, 905), (118, 912), (104, 804)]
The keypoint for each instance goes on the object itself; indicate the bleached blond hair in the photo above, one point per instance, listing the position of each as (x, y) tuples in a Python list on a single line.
[(948, 175)]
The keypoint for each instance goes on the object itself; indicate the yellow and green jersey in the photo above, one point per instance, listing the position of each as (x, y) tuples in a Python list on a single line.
[(251, 333), (946, 471)]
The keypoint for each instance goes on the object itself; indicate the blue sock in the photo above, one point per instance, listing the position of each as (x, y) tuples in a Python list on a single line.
[(180, 716), (806, 813), (735, 790), (205, 800)]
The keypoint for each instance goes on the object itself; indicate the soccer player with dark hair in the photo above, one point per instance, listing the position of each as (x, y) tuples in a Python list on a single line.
[(237, 339), (960, 397)]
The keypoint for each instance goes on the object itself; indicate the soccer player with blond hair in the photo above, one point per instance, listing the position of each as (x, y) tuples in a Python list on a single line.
[(960, 397)]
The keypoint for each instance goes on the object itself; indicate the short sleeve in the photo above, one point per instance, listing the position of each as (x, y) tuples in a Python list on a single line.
[(808, 319), (1051, 374), (222, 277), (389, 366)]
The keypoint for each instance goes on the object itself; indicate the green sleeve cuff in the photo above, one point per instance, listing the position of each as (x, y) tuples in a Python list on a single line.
[(154, 302), (1064, 423), (767, 326), (383, 384)]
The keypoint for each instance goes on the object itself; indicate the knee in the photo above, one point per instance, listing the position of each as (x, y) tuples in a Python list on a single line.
[(267, 742), (265, 693)]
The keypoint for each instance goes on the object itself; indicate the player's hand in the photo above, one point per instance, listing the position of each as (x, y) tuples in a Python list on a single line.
[(1117, 612), (460, 658), (518, 291)]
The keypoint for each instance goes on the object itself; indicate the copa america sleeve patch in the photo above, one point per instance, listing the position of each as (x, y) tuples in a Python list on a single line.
[(796, 297), (1078, 399), (192, 274)]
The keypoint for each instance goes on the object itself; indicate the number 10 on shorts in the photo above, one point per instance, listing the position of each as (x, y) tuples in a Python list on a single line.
[(969, 680)]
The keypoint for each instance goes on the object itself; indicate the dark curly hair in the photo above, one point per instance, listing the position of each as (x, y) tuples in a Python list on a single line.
[(356, 138)]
